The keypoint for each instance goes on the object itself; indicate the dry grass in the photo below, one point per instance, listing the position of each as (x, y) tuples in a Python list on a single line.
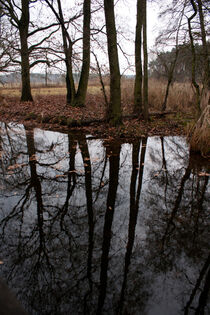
[(181, 96), (43, 91), (199, 135)]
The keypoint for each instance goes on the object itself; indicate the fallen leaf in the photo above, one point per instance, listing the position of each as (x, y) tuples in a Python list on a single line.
[(203, 174)]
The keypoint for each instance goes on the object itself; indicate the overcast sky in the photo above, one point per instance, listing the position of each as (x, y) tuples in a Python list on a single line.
[(127, 8), (125, 12)]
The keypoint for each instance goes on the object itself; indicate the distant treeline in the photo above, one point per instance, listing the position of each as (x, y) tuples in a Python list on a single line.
[(50, 78), (36, 78), (160, 67)]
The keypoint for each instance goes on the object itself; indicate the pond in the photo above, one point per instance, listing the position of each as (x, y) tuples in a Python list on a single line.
[(98, 226)]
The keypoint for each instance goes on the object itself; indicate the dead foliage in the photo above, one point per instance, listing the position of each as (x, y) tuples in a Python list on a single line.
[(199, 135), (49, 110)]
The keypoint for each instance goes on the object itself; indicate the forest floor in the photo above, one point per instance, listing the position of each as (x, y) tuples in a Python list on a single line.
[(49, 111)]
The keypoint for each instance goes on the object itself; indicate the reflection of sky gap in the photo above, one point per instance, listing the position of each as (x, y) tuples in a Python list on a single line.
[(53, 159), (52, 148)]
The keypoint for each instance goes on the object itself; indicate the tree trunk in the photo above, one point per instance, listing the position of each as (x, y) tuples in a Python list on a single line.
[(205, 48), (205, 100), (138, 60), (25, 66), (83, 82), (114, 114), (114, 163), (170, 79), (70, 86), (145, 85), (194, 83), (67, 45)]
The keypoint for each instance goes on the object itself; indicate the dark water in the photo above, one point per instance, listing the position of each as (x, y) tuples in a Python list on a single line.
[(97, 227)]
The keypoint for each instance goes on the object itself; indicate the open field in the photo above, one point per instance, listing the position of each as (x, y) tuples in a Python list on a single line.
[(49, 109), (181, 96), (43, 91)]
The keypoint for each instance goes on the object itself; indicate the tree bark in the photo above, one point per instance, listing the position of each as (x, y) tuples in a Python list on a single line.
[(138, 60), (205, 97), (83, 82), (24, 51), (145, 83), (194, 83), (170, 79), (204, 44), (114, 113), (67, 45)]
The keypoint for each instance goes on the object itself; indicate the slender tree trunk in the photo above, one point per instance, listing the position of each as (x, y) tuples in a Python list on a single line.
[(194, 83), (199, 137), (25, 66), (102, 83), (170, 79), (114, 164), (205, 99), (145, 84), (114, 115), (83, 82), (67, 45), (138, 60), (205, 48), (135, 194), (173, 64), (70, 86)]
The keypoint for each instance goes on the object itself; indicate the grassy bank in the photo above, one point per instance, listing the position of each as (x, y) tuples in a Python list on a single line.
[(49, 109), (181, 96)]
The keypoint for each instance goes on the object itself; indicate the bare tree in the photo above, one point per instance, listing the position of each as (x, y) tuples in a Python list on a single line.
[(114, 112), (74, 98), (204, 44), (138, 60), (145, 82), (141, 84), (194, 83), (83, 82), (19, 17)]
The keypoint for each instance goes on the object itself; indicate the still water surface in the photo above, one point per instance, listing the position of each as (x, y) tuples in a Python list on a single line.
[(92, 226)]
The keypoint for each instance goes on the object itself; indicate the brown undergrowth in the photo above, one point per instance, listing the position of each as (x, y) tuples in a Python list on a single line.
[(49, 110), (199, 134)]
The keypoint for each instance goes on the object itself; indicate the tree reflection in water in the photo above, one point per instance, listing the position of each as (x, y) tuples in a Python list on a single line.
[(89, 227)]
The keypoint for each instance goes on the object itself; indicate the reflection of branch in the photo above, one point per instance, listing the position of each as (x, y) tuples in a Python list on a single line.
[(176, 206), (204, 295), (164, 166), (71, 176), (134, 207), (101, 183), (197, 286), (13, 213), (107, 233), (200, 204), (89, 198)]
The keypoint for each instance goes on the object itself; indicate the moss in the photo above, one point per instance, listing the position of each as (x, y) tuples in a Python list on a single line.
[(55, 120), (31, 116), (73, 122), (63, 121), (69, 121), (46, 119)]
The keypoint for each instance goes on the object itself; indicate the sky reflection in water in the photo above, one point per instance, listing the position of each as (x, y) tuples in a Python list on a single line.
[(96, 227)]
